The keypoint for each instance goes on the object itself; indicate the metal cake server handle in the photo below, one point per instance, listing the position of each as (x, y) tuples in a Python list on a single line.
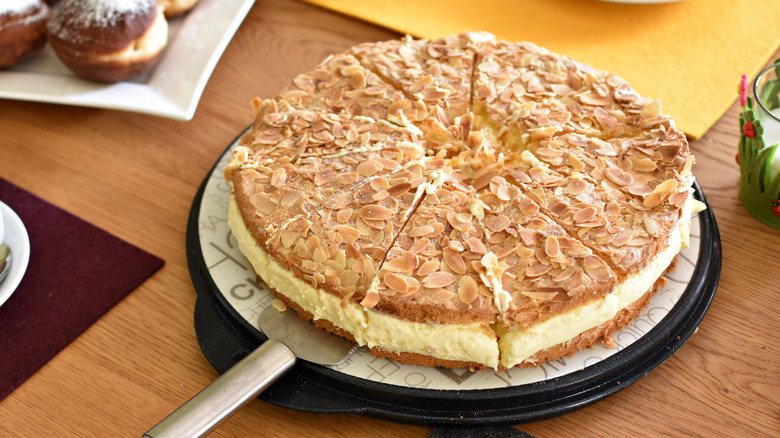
[(290, 337)]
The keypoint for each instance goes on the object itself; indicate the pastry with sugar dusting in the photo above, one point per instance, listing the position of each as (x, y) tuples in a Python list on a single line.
[(22, 29), (108, 40)]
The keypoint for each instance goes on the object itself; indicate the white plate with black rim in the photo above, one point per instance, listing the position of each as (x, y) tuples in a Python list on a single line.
[(230, 297)]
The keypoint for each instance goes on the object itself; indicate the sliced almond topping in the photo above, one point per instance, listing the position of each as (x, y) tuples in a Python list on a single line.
[(505, 251), (585, 214), (369, 167), (618, 176), (419, 231), (565, 274), (348, 278), (541, 296), (497, 223), (376, 212), (428, 268), (396, 282), (406, 262), (490, 260), (419, 245), (288, 237), (651, 225), (551, 246), (476, 246), (527, 206), (371, 299), (643, 164), (438, 279), (596, 268), (623, 237), (537, 270), (399, 189), (678, 199), (454, 261), (468, 290), (349, 234)]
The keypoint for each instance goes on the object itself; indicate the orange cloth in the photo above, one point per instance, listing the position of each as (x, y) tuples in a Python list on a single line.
[(688, 54)]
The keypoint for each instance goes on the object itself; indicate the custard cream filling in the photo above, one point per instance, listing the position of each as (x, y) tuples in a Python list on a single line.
[(470, 342)]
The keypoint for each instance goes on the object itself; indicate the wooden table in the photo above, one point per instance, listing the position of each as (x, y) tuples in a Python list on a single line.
[(135, 176)]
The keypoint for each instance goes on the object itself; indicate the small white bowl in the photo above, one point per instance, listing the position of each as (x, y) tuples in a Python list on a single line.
[(15, 236)]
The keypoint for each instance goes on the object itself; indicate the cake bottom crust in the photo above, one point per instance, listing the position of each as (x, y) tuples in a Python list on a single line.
[(601, 334)]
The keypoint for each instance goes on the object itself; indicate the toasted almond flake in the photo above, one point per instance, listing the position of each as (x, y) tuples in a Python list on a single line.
[(371, 300), (678, 199), (419, 231), (395, 282), (288, 238), (537, 270), (652, 200), (369, 168), (596, 268), (406, 262), (344, 215), (623, 237), (541, 296), (497, 223), (527, 206), (468, 290), (399, 189), (652, 110), (551, 246), (375, 212), (667, 186), (476, 246), (428, 267), (585, 214), (642, 164), (348, 278), (348, 233), (490, 260), (438, 279), (618, 176), (378, 196), (357, 79), (565, 274), (419, 245), (454, 261), (651, 225), (319, 255), (505, 251)]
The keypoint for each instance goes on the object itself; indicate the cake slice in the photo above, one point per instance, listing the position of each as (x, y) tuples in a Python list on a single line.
[(429, 283), (541, 276), (275, 184), (338, 87), (437, 72)]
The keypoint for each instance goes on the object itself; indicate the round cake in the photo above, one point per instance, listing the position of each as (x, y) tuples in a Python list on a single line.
[(462, 202)]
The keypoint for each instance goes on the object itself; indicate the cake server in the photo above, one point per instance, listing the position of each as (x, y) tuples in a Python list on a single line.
[(289, 338)]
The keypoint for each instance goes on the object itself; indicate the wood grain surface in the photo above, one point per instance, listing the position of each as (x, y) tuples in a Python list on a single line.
[(136, 175)]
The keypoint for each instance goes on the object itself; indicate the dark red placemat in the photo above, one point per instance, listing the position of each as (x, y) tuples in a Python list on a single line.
[(77, 272)]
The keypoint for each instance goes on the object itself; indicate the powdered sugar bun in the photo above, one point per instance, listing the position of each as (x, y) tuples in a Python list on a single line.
[(108, 40), (22, 29)]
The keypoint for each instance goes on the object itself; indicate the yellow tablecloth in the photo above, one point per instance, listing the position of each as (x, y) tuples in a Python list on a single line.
[(688, 54)]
